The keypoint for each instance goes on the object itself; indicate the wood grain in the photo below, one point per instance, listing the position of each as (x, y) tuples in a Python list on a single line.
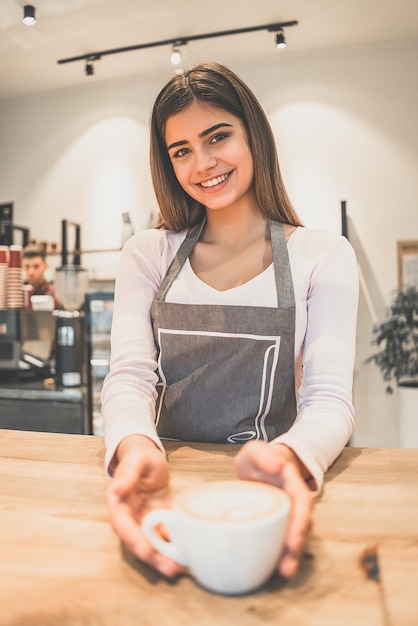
[(61, 565)]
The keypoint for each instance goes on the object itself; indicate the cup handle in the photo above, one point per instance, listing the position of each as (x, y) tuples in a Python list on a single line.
[(167, 548)]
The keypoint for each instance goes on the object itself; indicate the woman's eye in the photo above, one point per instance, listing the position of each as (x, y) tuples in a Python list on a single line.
[(218, 137), (181, 152)]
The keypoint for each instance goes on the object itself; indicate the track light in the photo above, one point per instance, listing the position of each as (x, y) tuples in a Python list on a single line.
[(175, 56), (29, 15), (280, 40), (89, 69)]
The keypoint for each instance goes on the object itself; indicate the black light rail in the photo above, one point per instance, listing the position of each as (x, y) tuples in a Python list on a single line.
[(178, 41)]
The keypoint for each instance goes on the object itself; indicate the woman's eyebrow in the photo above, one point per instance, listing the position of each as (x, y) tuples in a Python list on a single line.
[(212, 128), (202, 134)]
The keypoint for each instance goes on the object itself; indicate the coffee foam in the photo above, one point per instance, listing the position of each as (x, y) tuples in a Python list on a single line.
[(232, 501)]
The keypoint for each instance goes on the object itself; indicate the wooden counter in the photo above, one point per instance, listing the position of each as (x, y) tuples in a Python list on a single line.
[(61, 565)]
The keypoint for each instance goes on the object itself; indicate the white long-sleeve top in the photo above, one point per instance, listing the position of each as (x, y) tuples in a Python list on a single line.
[(325, 279)]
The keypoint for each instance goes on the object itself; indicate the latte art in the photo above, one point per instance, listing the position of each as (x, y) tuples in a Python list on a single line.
[(231, 502)]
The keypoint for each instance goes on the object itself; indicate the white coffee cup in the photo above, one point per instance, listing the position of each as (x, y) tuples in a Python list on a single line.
[(228, 533)]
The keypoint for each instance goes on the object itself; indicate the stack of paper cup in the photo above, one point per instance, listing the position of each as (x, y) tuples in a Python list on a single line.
[(14, 278), (4, 264)]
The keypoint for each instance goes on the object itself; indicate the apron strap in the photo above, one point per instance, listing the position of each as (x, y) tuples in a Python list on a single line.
[(177, 263), (282, 271)]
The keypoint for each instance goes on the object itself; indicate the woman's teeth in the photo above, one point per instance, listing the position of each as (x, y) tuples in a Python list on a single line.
[(214, 181)]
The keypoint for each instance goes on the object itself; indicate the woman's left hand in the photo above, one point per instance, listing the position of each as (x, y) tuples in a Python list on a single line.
[(278, 465)]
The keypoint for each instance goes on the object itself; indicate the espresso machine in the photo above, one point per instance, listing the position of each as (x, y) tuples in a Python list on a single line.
[(26, 343), (71, 281)]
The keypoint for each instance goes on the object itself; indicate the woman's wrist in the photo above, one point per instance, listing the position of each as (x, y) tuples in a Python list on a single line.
[(134, 442), (293, 458)]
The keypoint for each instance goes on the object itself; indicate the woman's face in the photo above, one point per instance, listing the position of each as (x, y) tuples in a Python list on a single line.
[(209, 150)]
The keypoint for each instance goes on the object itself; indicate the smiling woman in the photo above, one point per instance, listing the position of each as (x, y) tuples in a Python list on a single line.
[(219, 311), (213, 161), (227, 103)]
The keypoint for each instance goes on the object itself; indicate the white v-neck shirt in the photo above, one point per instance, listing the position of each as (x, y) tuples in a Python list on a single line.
[(325, 281), (188, 288)]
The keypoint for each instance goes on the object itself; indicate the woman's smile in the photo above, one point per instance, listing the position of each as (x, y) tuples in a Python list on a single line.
[(214, 182)]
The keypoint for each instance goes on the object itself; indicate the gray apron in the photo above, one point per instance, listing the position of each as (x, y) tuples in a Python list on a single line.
[(226, 373)]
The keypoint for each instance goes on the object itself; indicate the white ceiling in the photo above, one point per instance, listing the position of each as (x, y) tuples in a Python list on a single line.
[(67, 28)]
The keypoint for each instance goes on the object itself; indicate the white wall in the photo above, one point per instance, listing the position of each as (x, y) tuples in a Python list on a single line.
[(346, 129)]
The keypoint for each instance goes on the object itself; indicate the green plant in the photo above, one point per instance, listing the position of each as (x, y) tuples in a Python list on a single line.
[(397, 338)]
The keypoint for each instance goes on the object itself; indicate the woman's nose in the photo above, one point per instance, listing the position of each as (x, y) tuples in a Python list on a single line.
[(205, 160)]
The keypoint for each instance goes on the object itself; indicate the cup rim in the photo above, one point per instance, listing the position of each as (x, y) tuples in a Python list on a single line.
[(282, 498)]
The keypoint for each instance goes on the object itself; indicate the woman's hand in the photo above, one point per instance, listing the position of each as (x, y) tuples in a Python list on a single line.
[(140, 483), (278, 465)]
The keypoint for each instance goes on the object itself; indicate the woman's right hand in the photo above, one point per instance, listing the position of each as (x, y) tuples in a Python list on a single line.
[(140, 484)]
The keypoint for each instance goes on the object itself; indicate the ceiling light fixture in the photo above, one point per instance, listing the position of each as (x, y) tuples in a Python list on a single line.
[(176, 55), (280, 40), (29, 15), (175, 43), (89, 67)]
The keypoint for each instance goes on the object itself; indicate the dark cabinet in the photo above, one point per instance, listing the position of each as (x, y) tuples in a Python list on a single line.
[(31, 407)]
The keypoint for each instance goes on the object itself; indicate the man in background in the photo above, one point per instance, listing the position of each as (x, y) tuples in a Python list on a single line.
[(34, 264)]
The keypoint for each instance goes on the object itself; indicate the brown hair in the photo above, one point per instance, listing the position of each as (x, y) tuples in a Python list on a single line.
[(32, 250), (218, 86)]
